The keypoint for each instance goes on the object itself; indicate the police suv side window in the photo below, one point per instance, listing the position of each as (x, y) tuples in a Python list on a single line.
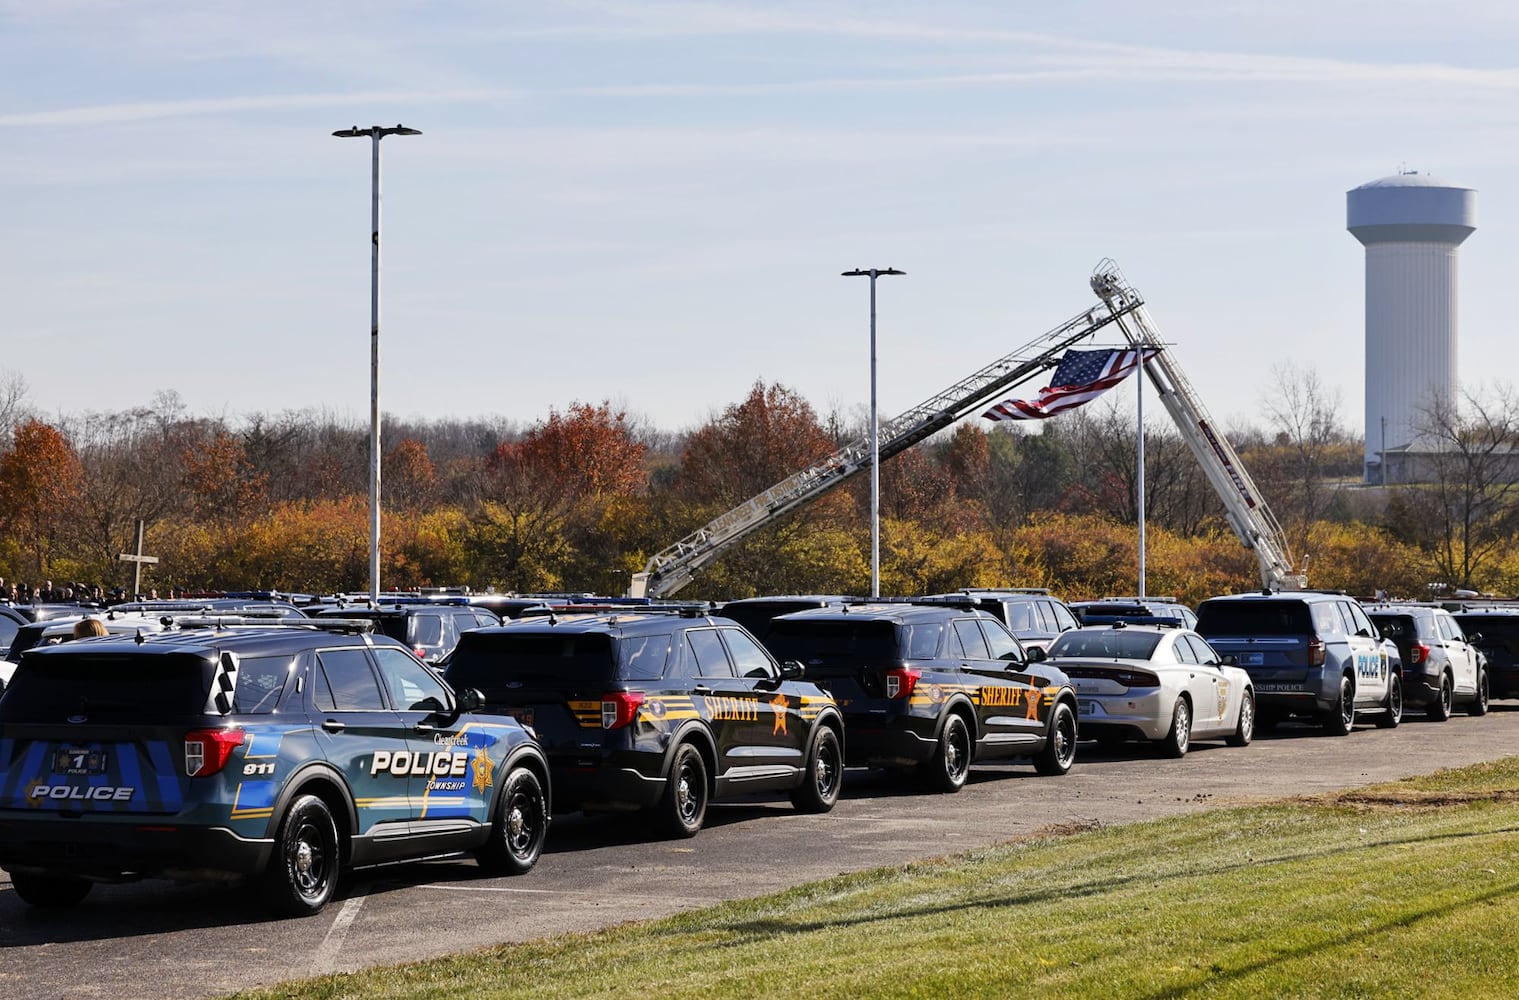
[(260, 679), (749, 660), (413, 688), (1449, 630), (1002, 645), (1327, 621), (971, 640), (1063, 618), (347, 682), (711, 657), (1359, 623)]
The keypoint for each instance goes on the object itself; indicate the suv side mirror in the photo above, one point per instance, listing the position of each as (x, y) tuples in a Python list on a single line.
[(792, 670), (1036, 654), (1228, 660), (468, 700)]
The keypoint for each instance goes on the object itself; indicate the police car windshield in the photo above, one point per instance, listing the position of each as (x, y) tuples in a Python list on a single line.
[(52, 687), (558, 660), (1121, 644)]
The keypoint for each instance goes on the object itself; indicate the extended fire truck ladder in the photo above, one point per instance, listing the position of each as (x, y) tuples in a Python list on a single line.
[(1244, 507), (672, 568)]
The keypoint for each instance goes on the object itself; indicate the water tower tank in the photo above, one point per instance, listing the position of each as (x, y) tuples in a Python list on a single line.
[(1411, 225)]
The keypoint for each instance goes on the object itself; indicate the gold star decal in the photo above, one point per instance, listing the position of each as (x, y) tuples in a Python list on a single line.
[(780, 705), (482, 767)]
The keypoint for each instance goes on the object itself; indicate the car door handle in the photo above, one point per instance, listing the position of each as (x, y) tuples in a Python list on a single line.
[(333, 726), (423, 727), (702, 689)]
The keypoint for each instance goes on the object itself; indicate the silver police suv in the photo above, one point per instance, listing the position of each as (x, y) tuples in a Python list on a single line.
[(1310, 654), (1441, 667)]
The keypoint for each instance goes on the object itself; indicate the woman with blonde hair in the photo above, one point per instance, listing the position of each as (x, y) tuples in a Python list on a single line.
[(87, 627)]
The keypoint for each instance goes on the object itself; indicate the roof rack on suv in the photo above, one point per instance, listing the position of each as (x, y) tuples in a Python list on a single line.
[(338, 626)]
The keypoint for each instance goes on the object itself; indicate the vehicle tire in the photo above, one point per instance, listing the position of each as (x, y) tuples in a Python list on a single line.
[(948, 768), (684, 806), (50, 891), (302, 876), (1244, 731), (1179, 737), (520, 827), (824, 777), (1440, 709), (1392, 708), (1478, 705), (1341, 717), (1059, 751)]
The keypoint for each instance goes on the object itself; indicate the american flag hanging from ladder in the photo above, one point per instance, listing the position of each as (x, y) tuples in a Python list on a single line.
[(223, 685), (1080, 377)]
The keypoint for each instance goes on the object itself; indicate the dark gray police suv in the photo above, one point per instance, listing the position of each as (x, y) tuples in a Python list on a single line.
[(658, 712)]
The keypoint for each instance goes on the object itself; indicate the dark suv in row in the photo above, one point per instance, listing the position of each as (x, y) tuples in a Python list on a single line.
[(659, 712), (283, 754), (933, 688)]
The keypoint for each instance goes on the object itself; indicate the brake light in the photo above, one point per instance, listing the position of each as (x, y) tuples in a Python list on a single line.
[(900, 682), (1418, 653), (208, 750), (619, 708), (1134, 679), (1315, 652), (420, 652)]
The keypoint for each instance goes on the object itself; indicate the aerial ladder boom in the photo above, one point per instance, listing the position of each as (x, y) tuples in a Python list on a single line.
[(1244, 508), (675, 566)]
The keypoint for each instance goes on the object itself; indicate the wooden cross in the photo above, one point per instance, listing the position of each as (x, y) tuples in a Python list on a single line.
[(138, 559)]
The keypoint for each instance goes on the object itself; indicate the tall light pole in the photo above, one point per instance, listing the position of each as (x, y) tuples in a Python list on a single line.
[(375, 133), (875, 444)]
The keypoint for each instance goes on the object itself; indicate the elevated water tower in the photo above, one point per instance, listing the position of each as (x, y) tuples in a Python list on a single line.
[(1412, 226)]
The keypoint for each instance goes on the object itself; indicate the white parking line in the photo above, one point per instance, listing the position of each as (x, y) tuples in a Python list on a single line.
[(326, 955)]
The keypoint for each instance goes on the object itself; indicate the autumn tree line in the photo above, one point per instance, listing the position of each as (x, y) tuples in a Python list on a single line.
[(579, 500)]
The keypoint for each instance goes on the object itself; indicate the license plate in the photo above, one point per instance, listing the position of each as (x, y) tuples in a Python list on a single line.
[(79, 762), (1251, 659)]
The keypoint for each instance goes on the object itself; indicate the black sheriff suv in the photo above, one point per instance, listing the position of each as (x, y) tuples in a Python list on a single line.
[(658, 712), (933, 688)]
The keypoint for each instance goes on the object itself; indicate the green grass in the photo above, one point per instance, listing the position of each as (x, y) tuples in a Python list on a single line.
[(1405, 889)]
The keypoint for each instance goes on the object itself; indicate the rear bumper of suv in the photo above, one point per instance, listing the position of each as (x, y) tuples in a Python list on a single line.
[(898, 745), (112, 851), (602, 786), (1318, 692), (1421, 687)]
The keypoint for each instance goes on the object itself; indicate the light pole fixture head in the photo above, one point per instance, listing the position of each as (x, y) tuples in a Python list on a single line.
[(375, 131), (870, 272)]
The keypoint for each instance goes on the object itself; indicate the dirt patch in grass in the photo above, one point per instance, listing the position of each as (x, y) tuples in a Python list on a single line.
[(1410, 798)]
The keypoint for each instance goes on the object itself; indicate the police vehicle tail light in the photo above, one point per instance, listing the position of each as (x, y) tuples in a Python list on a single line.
[(1419, 653), (1315, 652), (1135, 679), (900, 682), (619, 708), (208, 750)]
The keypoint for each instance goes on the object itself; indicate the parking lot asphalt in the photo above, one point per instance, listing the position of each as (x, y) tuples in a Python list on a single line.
[(158, 939)]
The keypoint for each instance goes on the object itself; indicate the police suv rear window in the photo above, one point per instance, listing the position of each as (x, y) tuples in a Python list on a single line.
[(1225, 618), (539, 659), (106, 687), (823, 645)]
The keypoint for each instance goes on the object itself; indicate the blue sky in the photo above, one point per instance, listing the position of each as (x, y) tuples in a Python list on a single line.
[(650, 203)]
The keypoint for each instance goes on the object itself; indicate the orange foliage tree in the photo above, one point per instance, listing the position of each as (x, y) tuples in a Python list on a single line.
[(40, 482)]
